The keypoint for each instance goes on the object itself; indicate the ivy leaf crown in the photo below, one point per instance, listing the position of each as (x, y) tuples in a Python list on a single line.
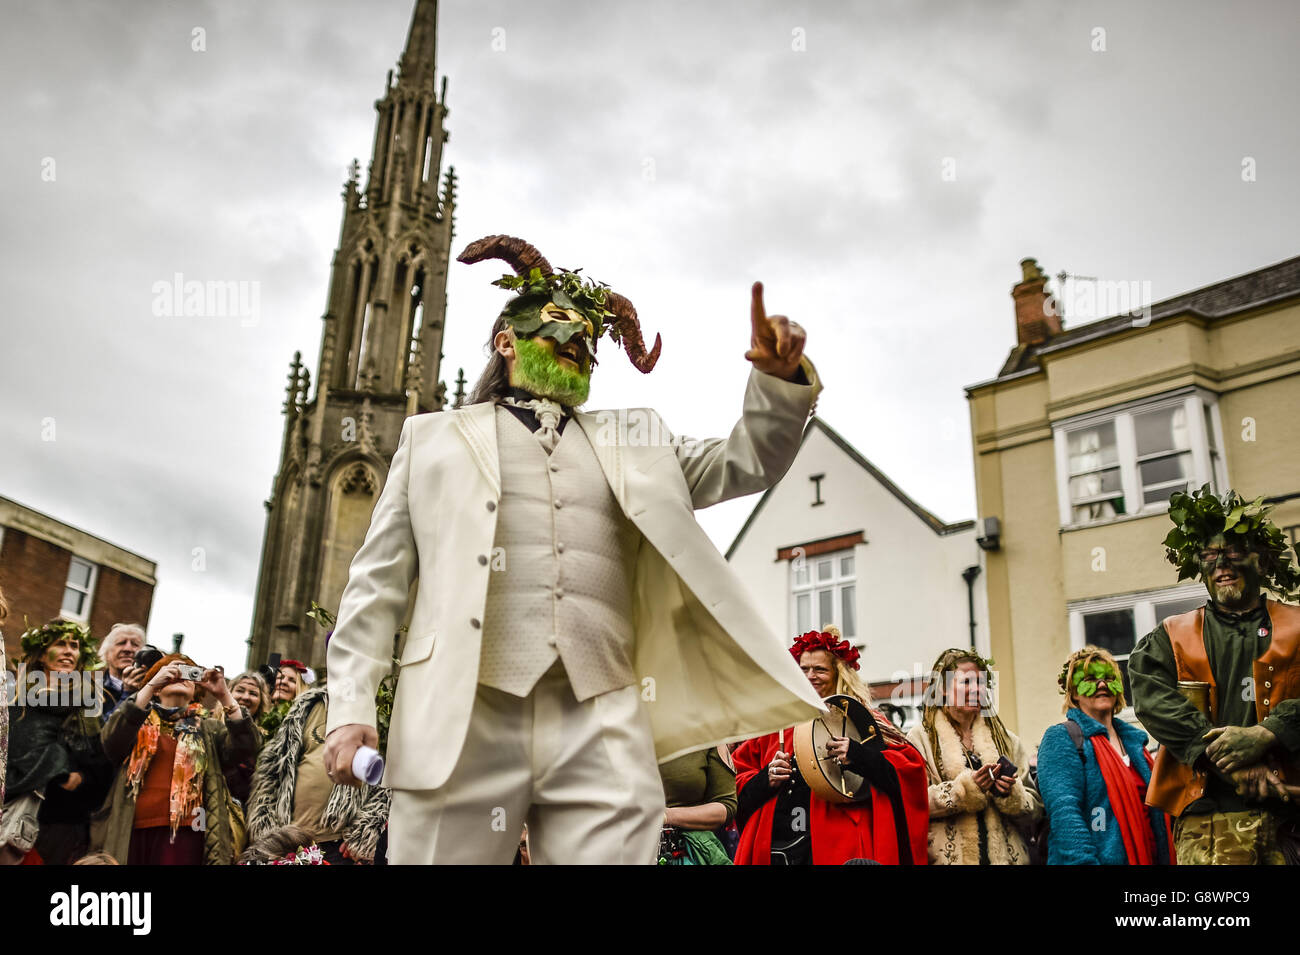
[(567, 289), (1201, 516)]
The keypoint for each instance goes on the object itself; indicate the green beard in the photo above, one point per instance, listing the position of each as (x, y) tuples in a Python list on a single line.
[(537, 370)]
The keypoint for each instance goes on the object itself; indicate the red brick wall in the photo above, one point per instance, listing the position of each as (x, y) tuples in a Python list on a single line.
[(120, 598), (33, 573)]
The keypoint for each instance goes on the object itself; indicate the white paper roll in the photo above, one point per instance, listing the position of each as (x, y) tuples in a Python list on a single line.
[(368, 765)]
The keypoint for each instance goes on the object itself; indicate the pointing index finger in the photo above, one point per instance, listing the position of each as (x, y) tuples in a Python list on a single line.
[(757, 313)]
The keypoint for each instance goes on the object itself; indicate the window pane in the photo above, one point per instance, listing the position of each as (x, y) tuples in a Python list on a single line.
[(1164, 430), (79, 574), (846, 602), (73, 600), (1163, 471), (1113, 630), (801, 574), (1099, 511), (1209, 428), (846, 566), (1092, 448), (803, 610), (825, 608), (1172, 607), (1101, 483), (824, 569), (1160, 470)]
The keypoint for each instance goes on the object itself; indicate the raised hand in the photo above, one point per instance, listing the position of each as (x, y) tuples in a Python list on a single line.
[(776, 343)]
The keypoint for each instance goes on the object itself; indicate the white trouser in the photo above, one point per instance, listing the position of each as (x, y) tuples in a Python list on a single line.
[(582, 775)]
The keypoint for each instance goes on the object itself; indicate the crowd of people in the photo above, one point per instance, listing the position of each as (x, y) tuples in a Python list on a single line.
[(158, 761)]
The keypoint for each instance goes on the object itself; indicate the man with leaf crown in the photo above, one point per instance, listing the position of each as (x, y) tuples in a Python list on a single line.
[(1219, 687), (573, 625)]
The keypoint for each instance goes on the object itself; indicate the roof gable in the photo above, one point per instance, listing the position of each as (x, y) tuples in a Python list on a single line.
[(928, 518)]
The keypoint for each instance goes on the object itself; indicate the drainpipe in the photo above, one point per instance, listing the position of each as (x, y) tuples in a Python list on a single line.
[(969, 575)]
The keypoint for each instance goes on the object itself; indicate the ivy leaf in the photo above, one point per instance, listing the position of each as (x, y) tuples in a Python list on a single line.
[(1087, 687), (1096, 669), (1116, 686)]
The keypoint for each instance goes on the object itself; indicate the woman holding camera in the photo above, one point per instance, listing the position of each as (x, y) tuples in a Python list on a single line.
[(1093, 771), (169, 804), (978, 769)]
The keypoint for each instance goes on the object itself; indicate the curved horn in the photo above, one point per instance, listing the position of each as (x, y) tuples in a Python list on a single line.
[(518, 254), (629, 330)]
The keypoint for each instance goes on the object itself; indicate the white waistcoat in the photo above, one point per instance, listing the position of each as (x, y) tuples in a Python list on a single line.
[(563, 560)]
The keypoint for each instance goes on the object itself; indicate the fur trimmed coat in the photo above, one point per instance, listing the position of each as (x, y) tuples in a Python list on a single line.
[(359, 812), (957, 805)]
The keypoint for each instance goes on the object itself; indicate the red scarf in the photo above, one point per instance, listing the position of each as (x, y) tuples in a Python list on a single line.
[(1130, 812)]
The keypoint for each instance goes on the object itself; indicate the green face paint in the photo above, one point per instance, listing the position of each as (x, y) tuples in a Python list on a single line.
[(1230, 573), (537, 370), (1090, 679)]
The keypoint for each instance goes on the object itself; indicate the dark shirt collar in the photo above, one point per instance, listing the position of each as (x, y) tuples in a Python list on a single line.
[(1227, 616)]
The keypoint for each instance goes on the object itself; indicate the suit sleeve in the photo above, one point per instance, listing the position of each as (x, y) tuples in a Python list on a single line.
[(762, 445), (374, 601), (1061, 780)]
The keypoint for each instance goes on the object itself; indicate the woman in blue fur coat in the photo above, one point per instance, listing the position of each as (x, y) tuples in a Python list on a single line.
[(1094, 792)]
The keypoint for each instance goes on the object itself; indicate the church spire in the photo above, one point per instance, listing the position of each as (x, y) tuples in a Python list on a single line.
[(380, 354), (418, 59)]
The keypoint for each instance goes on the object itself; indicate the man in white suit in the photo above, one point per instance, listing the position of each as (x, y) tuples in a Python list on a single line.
[(573, 625)]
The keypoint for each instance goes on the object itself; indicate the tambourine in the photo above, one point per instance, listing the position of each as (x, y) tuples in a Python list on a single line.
[(824, 774)]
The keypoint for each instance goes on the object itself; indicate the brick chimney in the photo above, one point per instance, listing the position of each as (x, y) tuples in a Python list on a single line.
[(1036, 316)]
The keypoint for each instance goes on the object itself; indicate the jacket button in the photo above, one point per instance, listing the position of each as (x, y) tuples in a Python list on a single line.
[(491, 505), (552, 643), (555, 467), (1267, 684), (559, 592), (557, 504), (559, 548), (475, 623), (482, 558)]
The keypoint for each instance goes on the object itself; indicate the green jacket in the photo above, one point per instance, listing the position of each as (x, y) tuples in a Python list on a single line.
[(1232, 644), (227, 745)]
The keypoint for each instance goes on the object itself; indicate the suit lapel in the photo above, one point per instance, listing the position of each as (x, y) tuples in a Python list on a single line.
[(477, 424), (608, 451)]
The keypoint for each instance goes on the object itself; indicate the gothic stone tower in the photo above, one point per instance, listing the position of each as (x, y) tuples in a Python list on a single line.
[(380, 355)]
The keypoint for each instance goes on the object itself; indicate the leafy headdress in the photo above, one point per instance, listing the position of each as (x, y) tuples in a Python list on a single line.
[(538, 285), (1201, 516), (36, 640)]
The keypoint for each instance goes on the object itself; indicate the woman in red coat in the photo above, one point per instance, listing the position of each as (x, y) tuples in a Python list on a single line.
[(784, 823)]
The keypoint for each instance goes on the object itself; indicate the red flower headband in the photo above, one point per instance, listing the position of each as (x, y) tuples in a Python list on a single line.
[(812, 640), (300, 667)]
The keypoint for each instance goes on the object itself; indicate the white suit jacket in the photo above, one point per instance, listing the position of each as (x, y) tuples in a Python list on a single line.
[(711, 669)]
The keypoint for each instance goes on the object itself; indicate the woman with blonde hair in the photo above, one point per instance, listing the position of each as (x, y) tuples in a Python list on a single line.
[(978, 769), (249, 691), (1093, 771), (783, 822)]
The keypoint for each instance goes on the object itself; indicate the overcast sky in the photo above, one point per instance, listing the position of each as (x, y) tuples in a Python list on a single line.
[(675, 150)]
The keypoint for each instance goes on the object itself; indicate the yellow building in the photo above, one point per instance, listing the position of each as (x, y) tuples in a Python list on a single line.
[(1085, 433)]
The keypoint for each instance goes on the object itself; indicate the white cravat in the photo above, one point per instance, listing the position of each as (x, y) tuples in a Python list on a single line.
[(548, 415)]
